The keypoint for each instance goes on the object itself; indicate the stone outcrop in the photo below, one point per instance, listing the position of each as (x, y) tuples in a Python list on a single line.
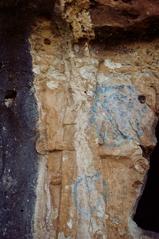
[(97, 112), (123, 13), (90, 17), (82, 150)]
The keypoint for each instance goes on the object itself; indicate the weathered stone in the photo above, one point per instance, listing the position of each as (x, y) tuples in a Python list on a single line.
[(90, 18), (105, 103), (107, 18), (98, 107), (123, 13)]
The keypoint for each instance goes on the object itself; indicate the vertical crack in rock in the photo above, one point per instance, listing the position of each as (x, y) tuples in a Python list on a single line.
[(147, 211), (18, 116)]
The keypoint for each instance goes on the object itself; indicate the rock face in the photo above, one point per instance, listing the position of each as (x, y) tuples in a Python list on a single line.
[(146, 215), (99, 16), (123, 13), (81, 154), (90, 18), (18, 116), (97, 113)]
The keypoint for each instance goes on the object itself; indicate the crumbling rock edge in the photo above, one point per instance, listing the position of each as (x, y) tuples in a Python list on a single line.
[(102, 19)]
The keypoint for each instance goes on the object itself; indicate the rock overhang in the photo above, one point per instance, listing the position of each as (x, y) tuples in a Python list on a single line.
[(102, 19)]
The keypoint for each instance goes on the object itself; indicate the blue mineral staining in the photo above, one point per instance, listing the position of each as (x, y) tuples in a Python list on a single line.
[(116, 114), (88, 184)]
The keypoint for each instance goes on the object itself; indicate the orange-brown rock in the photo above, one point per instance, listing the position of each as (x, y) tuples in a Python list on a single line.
[(123, 13), (89, 16)]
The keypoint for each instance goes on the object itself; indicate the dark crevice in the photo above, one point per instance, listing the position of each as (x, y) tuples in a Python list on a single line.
[(10, 94), (147, 31), (47, 41), (142, 99), (147, 212), (127, 1), (93, 3), (146, 151)]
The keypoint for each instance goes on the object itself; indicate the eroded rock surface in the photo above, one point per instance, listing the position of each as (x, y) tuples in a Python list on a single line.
[(98, 16), (123, 13), (97, 112), (90, 18), (98, 107)]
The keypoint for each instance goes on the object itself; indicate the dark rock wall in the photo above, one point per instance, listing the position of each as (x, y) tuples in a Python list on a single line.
[(147, 212), (18, 116)]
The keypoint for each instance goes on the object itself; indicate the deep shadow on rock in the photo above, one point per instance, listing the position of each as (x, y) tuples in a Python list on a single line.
[(147, 211), (18, 117)]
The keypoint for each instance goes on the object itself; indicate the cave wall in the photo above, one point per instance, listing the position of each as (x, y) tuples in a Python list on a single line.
[(78, 117), (18, 117), (97, 106)]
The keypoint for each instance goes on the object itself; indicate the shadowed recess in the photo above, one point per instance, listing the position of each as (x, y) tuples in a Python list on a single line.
[(147, 212), (18, 117)]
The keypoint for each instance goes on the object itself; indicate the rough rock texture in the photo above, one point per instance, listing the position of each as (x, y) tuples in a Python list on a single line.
[(76, 13), (18, 117), (90, 18), (99, 16), (98, 107), (97, 112), (123, 13)]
